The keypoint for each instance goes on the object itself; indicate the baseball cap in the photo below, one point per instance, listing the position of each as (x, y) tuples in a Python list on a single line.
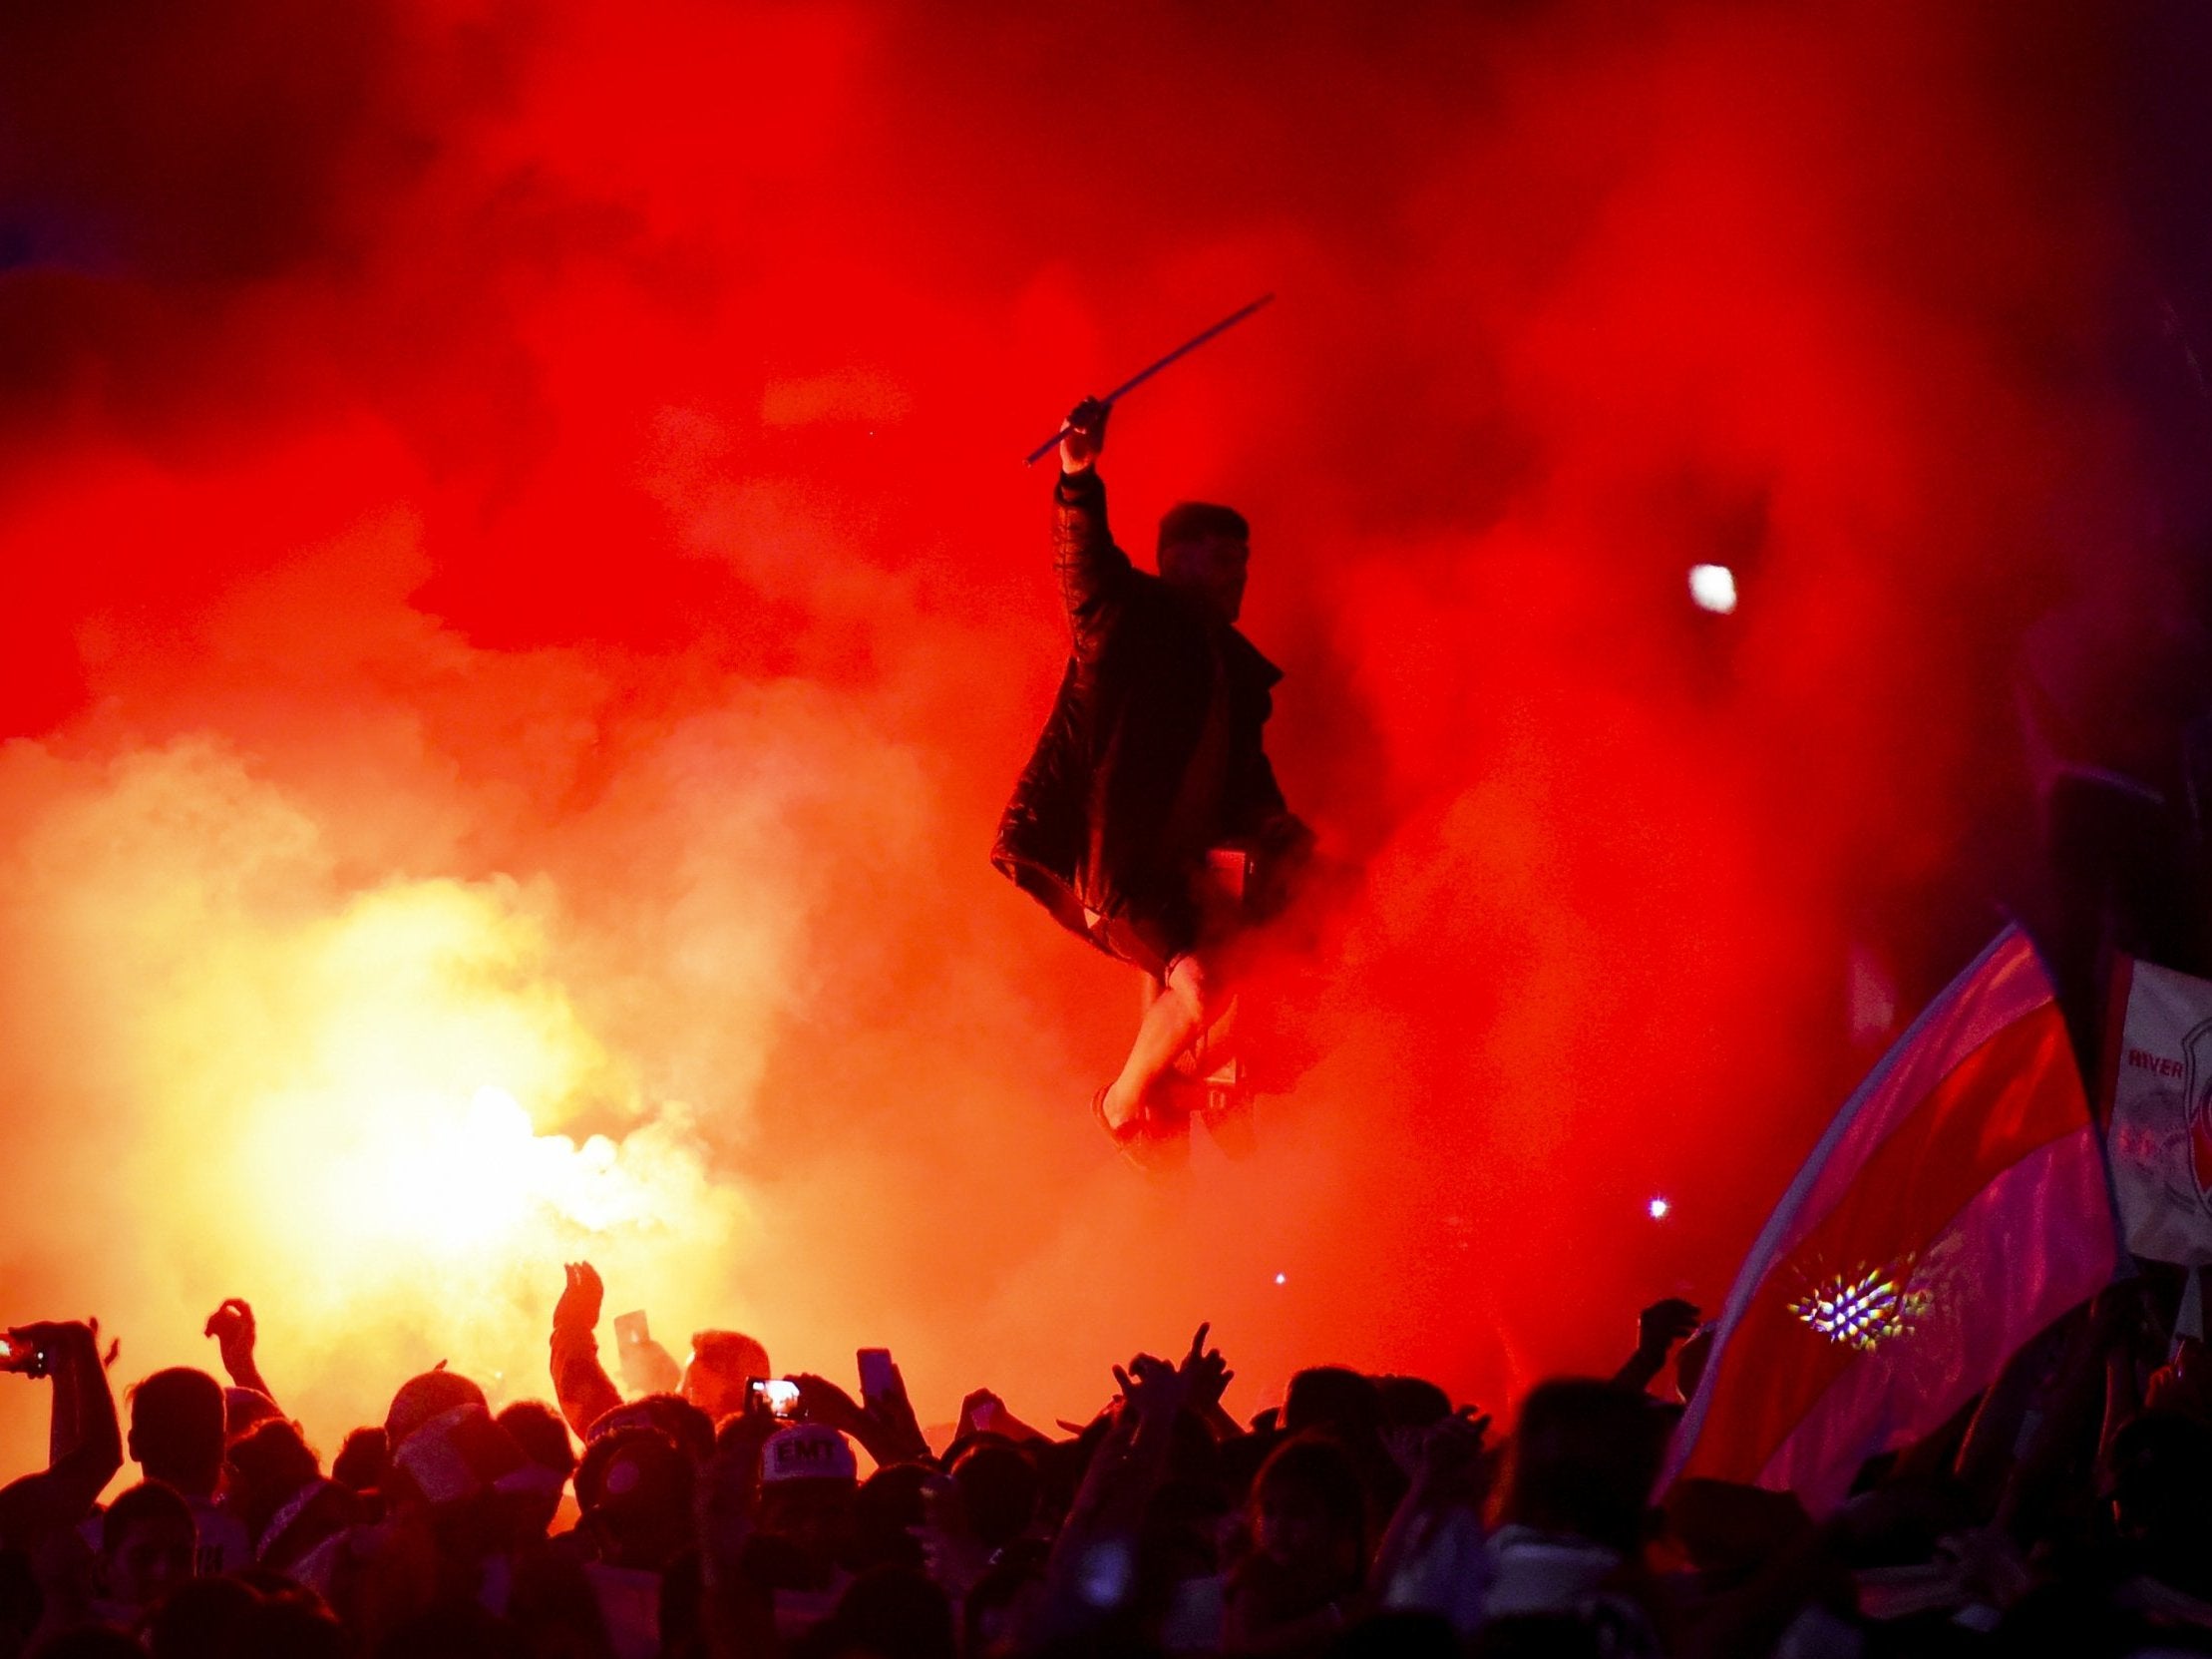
[(807, 1451)]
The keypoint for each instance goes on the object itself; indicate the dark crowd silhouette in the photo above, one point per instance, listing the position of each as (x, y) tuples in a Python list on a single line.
[(713, 1509)]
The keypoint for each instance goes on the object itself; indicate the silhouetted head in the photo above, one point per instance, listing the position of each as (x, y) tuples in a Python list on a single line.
[(267, 1469), (721, 1363), (998, 1492), (808, 1492), (200, 1619), (146, 1539), (683, 1422), (243, 1408), (635, 1487), (1310, 1512), (431, 1395), (886, 1510), (543, 1437), (536, 1428), (1203, 549), (1585, 1458), (361, 1464), (1343, 1402), (177, 1429), (1411, 1402)]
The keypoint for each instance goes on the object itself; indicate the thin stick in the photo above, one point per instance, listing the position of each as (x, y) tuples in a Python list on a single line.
[(1142, 375)]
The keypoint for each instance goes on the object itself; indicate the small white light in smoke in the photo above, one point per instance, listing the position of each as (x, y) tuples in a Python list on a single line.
[(1714, 587), (1282, 1278), (1658, 1208)]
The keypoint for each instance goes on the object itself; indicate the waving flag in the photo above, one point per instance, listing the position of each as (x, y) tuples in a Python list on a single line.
[(1957, 1205)]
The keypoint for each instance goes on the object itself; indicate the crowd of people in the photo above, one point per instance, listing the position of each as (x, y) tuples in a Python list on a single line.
[(2067, 1510)]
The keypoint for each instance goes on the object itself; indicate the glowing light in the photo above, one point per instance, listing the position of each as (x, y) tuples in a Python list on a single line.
[(1714, 587), (1282, 1278), (1863, 1308), (399, 1150), (1659, 1209)]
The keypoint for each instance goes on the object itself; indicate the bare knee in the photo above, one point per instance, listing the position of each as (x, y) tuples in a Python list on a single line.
[(1193, 982)]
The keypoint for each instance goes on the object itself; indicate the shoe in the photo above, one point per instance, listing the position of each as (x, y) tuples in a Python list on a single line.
[(1147, 1141)]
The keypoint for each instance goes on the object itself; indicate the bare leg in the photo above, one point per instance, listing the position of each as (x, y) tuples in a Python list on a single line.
[(1189, 1004)]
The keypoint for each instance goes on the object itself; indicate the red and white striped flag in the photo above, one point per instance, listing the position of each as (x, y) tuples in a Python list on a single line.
[(1957, 1205)]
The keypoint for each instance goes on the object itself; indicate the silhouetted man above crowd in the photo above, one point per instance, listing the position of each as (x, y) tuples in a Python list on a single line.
[(1152, 763)]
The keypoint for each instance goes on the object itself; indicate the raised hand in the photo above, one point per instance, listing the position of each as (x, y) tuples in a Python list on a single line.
[(1085, 436), (822, 1400), (581, 1299), (1664, 1324), (896, 1427), (1457, 1460), (979, 1413), (232, 1327), (235, 1333), (1152, 1389), (33, 1349), (984, 1412), (1658, 1329), (1206, 1375), (886, 1426)]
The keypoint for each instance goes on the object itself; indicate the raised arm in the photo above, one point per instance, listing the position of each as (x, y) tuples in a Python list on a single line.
[(1094, 574), (237, 1336), (580, 1383), (87, 1444), (1660, 1330)]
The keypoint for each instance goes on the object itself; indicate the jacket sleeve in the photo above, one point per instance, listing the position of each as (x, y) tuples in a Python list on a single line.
[(1094, 574), (579, 1382)]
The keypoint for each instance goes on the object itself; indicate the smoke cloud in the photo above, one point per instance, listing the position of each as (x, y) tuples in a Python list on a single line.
[(524, 612)]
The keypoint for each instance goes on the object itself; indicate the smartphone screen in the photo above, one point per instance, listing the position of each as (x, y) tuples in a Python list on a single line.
[(876, 1373), (630, 1329), (782, 1398)]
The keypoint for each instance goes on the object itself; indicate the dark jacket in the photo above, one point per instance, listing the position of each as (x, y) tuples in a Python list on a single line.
[(1152, 754)]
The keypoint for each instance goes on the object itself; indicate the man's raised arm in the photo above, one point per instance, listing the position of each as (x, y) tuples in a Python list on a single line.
[(1091, 568), (237, 1336), (86, 1444), (580, 1383)]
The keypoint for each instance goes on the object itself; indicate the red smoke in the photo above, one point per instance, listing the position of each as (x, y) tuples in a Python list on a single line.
[(549, 472)]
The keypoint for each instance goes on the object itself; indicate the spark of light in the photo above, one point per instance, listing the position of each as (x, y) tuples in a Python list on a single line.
[(1862, 1309), (1714, 587), (399, 1143)]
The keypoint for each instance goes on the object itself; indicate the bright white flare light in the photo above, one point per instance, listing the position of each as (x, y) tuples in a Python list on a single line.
[(1714, 587), (1658, 1208), (1282, 1278)]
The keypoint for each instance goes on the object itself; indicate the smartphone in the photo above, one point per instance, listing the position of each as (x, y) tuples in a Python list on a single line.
[(879, 1377), (782, 1398), (630, 1329)]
